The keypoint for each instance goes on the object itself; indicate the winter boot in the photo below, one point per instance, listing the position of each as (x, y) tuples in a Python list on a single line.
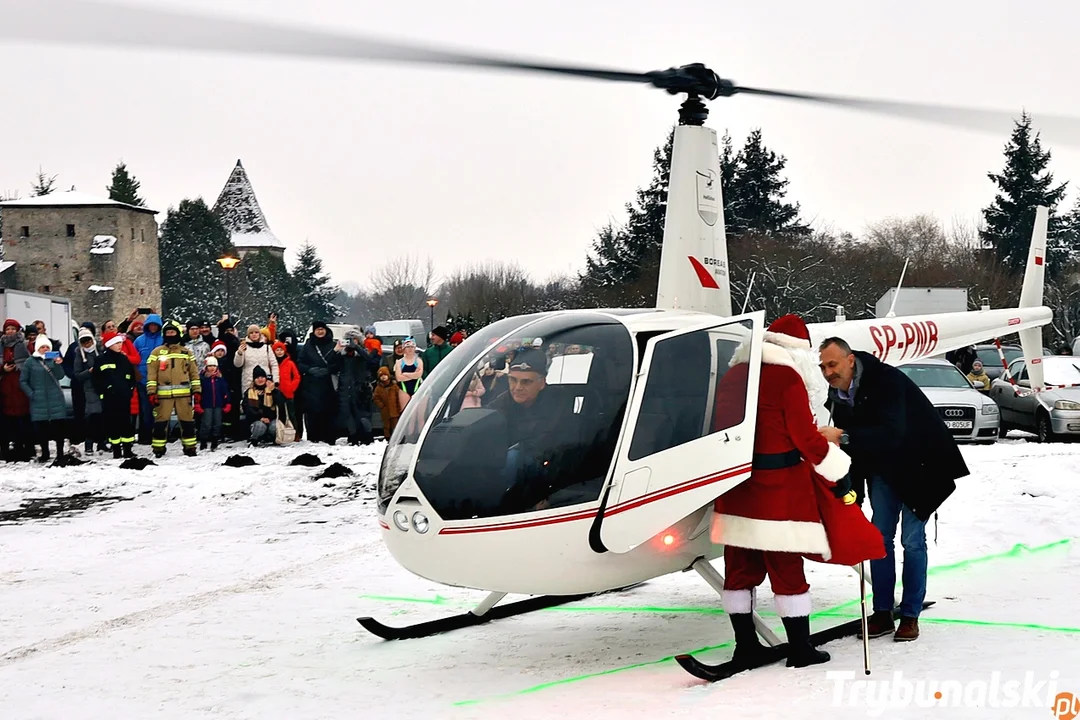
[(159, 452), (213, 445), (191, 451), (117, 451), (748, 648), (127, 450), (801, 652)]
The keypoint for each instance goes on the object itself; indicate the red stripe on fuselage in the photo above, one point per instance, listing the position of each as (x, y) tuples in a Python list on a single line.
[(662, 494)]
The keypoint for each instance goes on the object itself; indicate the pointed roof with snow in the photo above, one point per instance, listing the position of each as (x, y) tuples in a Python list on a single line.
[(240, 213)]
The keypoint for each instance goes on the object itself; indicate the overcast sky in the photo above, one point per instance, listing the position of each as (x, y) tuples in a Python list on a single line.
[(369, 160)]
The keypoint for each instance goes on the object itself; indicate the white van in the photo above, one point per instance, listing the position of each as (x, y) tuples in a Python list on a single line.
[(391, 331)]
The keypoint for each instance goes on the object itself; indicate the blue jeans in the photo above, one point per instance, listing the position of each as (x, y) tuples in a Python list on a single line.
[(888, 511)]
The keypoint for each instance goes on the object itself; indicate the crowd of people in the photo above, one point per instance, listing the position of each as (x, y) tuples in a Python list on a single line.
[(150, 381)]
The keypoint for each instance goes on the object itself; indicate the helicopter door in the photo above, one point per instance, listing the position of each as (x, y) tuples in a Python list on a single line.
[(691, 432)]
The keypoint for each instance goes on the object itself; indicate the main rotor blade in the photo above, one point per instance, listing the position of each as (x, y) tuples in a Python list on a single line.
[(1063, 128), (112, 25)]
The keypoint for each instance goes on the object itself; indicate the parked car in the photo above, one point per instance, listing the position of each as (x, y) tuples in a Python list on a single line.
[(970, 415), (991, 360), (1052, 414)]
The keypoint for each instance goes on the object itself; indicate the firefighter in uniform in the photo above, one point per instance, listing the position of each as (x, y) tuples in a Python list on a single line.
[(114, 380), (173, 385)]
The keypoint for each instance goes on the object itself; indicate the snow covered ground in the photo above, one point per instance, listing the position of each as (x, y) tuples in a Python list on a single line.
[(223, 592)]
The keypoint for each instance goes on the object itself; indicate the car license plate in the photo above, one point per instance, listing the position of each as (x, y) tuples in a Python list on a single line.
[(958, 424)]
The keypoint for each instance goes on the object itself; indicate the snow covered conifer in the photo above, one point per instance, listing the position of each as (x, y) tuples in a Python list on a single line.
[(316, 294), (755, 192), (43, 184), (1023, 184), (192, 283), (124, 187)]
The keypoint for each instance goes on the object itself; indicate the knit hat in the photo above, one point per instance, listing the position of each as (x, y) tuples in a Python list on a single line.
[(218, 345), (266, 333), (369, 329), (441, 332), (85, 334), (384, 371), (280, 345), (789, 331), (257, 373), (89, 326), (254, 329), (457, 338), (136, 326), (211, 361), (12, 323), (42, 342), (112, 338)]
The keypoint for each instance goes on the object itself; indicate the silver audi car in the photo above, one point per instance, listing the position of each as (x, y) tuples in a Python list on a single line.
[(970, 415)]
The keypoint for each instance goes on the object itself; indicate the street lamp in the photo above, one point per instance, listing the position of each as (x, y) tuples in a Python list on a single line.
[(432, 302), (227, 263)]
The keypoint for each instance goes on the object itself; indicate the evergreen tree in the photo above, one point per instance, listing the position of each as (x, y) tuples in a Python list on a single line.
[(728, 171), (1023, 184), (124, 187), (315, 293), (43, 184), (620, 254), (192, 282), (263, 287), (755, 200)]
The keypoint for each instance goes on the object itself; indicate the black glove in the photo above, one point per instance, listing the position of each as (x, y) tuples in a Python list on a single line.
[(842, 490)]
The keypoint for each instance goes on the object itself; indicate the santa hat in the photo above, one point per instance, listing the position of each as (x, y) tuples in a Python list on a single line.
[(789, 331), (112, 338), (218, 345)]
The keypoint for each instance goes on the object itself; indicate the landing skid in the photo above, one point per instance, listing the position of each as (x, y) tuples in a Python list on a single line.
[(486, 611), (774, 654)]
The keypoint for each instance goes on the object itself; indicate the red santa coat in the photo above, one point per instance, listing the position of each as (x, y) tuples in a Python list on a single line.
[(790, 509)]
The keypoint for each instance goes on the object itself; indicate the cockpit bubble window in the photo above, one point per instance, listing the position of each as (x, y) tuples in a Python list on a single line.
[(399, 452), (534, 424), (692, 391)]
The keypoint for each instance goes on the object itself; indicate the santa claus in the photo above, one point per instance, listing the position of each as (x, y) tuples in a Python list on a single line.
[(797, 502)]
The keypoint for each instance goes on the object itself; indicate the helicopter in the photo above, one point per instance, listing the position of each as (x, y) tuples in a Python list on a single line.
[(635, 459)]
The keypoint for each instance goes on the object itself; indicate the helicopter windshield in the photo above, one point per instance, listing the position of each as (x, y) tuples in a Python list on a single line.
[(402, 445), (534, 422)]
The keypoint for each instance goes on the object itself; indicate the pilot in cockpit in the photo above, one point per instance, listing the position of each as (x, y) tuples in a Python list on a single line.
[(533, 422)]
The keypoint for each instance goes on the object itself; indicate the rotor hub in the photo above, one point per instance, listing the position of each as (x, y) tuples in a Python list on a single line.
[(693, 79)]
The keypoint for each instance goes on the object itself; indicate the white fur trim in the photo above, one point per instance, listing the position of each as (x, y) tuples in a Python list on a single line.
[(835, 465), (787, 340), (792, 605), (802, 360), (115, 341), (778, 535), (738, 601)]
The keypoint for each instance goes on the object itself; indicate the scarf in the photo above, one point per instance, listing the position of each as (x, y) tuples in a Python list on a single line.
[(267, 394)]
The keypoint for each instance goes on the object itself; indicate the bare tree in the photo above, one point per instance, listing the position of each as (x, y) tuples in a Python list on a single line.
[(401, 287)]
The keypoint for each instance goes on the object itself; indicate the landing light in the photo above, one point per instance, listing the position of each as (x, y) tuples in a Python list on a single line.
[(402, 521), (420, 523)]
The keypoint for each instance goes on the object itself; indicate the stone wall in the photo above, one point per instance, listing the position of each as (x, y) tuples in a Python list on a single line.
[(52, 262)]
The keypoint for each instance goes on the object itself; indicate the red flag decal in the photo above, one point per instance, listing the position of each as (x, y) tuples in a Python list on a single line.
[(703, 274), (1038, 260)]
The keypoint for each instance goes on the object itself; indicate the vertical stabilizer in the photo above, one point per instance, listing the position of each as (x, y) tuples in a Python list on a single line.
[(694, 273), (1032, 296)]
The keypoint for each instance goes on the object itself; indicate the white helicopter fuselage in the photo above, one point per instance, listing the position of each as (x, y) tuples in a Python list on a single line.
[(651, 514)]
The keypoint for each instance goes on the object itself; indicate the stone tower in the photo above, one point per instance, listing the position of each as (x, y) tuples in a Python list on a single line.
[(99, 253), (240, 213)]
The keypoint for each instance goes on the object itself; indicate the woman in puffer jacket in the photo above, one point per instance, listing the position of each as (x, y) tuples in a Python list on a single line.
[(255, 352), (40, 380)]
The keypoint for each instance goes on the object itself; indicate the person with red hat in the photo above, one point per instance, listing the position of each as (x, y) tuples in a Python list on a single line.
[(797, 502)]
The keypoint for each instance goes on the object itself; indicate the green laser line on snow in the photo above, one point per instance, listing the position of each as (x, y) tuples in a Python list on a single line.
[(1017, 550)]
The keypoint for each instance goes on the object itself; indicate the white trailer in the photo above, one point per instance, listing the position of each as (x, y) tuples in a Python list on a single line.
[(28, 307), (923, 301)]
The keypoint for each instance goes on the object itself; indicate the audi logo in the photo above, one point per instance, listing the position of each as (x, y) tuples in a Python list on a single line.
[(954, 412)]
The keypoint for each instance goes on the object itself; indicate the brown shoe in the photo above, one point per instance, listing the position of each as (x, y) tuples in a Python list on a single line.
[(879, 624), (908, 630)]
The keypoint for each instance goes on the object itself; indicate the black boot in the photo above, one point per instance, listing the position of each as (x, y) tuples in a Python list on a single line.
[(748, 647), (190, 451), (202, 444), (117, 451), (800, 650), (127, 450)]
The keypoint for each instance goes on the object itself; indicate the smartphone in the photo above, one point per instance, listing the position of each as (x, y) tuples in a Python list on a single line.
[(52, 355), (145, 311)]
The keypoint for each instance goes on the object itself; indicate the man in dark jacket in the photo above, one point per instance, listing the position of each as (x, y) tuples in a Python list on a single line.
[(901, 453), (437, 350)]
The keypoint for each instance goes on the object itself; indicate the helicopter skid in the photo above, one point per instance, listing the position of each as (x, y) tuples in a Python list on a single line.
[(484, 612), (769, 655)]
